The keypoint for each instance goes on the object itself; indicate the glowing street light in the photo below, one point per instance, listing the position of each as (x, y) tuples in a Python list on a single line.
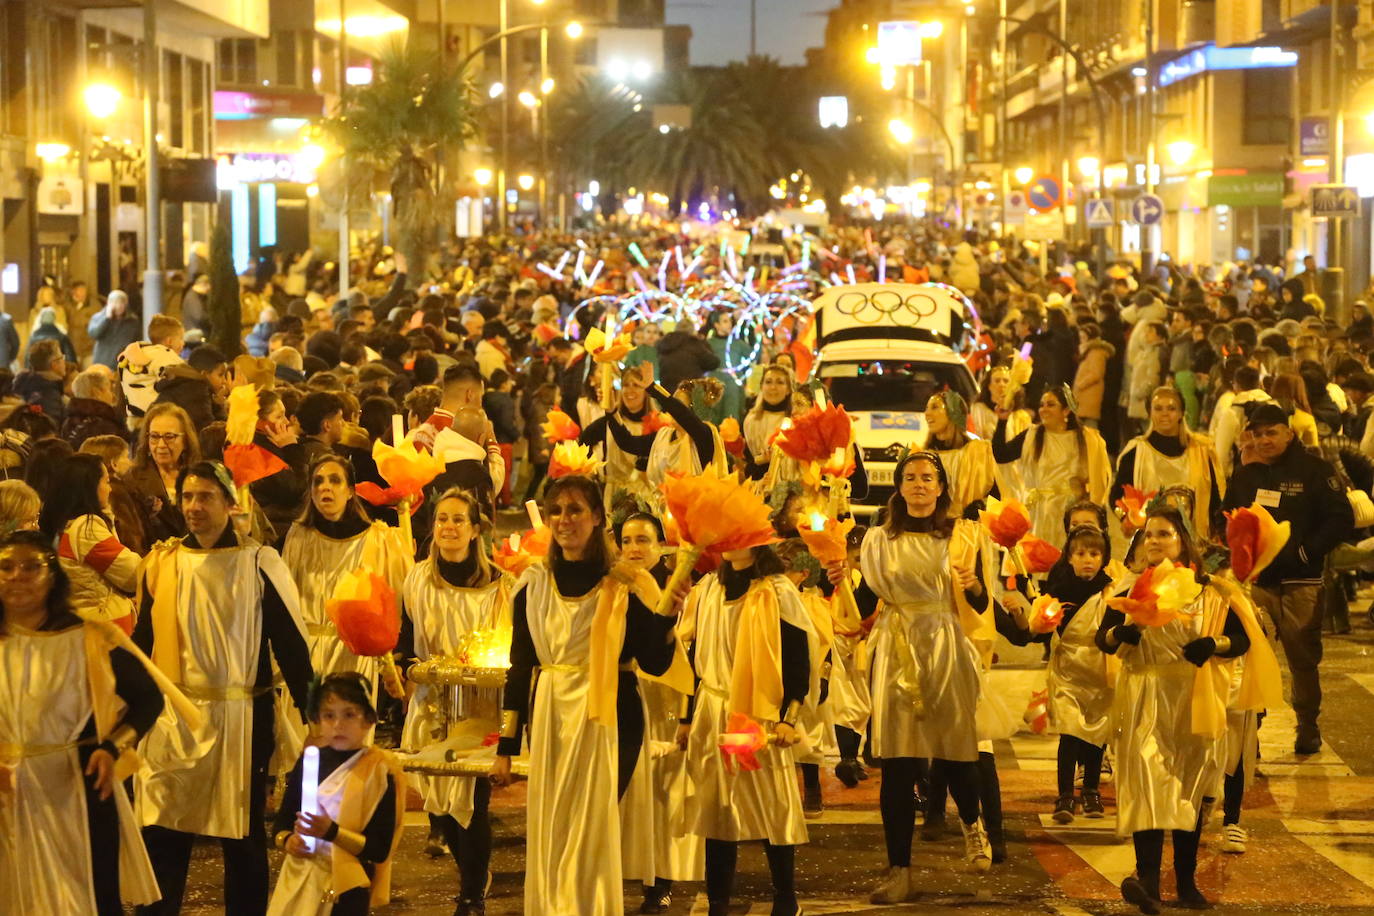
[(102, 100), (51, 152), (483, 176), (525, 182), (1180, 151), (527, 99), (901, 131), (1024, 174), (573, 29), (312, 156), (547, 86), (497, 89), (1088, 166)]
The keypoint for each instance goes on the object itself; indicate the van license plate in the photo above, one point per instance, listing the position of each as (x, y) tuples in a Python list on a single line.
[(880, 477)]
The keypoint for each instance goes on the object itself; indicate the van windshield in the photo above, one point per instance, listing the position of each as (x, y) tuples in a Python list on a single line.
[(891, 384)]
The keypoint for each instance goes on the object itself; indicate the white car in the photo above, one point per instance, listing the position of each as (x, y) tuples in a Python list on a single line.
[(883, 350)]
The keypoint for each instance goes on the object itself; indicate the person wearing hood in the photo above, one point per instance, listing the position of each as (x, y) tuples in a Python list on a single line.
[(258, 339), (1090, 380), (41, 385), (197, 386), (47, 329), (112, 329), (963, 271), (684, 355), (195, 314)]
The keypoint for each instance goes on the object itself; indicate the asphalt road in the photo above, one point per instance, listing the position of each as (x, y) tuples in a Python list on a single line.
[(1311, 823)]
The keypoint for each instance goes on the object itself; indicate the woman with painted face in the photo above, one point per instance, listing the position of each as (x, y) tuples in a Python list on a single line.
[(1059, 462), (934, 575), (332, 538), (624, 473), (71, 840), (774, 404), (1168, 719), (983, 412), (454, 592), (745, 611), (1172, 455), (651, 852), (585, 718), (967, 460)]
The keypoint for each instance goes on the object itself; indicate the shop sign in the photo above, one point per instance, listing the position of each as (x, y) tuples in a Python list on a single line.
[(254, 168), (61, 195), (1314, 138), (1264, 189), (238, 106)]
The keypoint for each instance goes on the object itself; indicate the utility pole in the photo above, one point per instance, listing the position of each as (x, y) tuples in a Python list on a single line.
[(753, 27), (503, 173), (1333, 287), (152, 205), (345, 250), (543, 110), (1064, 173), (1151, 114)]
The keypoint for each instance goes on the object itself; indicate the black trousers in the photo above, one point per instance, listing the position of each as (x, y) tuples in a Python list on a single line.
[(897, 800), (247, 881), (629, 717), (471, 845), (722, 859), (102, 822)]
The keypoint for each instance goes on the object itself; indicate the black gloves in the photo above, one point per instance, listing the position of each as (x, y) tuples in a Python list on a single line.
[(1199, 650), (1126, 633)]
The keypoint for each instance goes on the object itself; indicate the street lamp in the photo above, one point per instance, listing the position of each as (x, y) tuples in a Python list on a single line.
[(573, 29), (496, 90), (1088, 166), (1180, 151), (483, 176), (546, 86), (901, 131), (525, 182), (51, 152), (1024, 174), (527, 98), (102, 100)]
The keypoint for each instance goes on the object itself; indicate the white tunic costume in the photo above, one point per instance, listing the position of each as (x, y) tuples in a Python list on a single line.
[(45, 843), (1163, 770), (925, 671), (573, 826), (442, 614), (1080, 699), (729, 803), (652, 803), (1049, 481), (196, 780), (317, 562)]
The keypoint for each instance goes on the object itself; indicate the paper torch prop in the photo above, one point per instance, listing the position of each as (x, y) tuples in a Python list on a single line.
[(712, 513), (827, 539), (743, 740), (606, 351), (1159, 595), (517, 553), (1132, 505), (1046, 613), (731, 437), (406, 468), (1008, 524), (363, 608), (572, 459), (1255, 540), (1021, 368), (245, 460), (559, 427)]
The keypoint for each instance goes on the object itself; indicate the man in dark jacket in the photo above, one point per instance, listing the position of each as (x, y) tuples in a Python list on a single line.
[(91, 411), (112, 329), (1302, 489), (683, 354), (42, 383), (198, 386)]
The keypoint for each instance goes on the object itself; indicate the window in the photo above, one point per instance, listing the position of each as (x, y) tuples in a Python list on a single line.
[(288, 59), (238, 61), (175, 98), (1268, 107), (199, 76)]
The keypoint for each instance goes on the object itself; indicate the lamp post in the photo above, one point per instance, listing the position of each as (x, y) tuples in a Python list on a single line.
[(152, 274)]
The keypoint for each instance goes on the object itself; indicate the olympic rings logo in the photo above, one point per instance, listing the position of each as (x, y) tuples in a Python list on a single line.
[(871, 308)]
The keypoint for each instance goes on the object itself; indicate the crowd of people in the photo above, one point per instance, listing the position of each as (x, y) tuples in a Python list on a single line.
[(166, 627)]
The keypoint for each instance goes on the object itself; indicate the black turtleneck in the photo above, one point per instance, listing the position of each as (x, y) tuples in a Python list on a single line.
[(1169, 447), (648, 639), (381, 826), (458, 574), (779, 407), (350, 524)]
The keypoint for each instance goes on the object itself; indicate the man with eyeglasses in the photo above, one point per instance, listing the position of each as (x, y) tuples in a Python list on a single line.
[(1300, 488)]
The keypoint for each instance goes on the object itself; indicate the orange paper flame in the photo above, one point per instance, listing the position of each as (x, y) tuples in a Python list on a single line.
[(717, 513), (517, 553), (654, 421), (1046, 613), (1007, 522), (407, 467), (743, 740), (572, 459), (815, 434), (1255, 540), (731, 436), (1159, 595), (363, 608), (1039, 555), (559, 427), (826, 538), (1132, 503), (604, 349), (250, 463)]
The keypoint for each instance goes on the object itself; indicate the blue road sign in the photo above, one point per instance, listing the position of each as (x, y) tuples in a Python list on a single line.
[(1098, 213), (1044, 193), (1147, 209)]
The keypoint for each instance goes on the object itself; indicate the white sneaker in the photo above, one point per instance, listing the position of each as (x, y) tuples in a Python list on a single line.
[(977, 857), (1233, 838), (896, 887)]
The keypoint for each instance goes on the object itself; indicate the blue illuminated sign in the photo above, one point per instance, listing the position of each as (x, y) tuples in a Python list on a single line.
[(1210, 57)]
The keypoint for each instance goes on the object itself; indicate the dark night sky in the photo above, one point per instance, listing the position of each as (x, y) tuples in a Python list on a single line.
[(720, 28)]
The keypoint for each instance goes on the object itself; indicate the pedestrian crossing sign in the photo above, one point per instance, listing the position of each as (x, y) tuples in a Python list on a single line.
[(1098, 213)]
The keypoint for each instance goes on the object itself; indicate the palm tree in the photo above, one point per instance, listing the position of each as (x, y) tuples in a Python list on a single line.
[(414, 112)]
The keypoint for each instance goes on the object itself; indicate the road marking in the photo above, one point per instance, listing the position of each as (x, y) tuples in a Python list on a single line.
[(1349, 845)]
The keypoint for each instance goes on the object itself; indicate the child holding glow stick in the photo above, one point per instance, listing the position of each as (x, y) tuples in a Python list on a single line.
[(357, 823)]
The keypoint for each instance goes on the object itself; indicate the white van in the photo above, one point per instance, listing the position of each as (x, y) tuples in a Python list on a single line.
[(882, 350)]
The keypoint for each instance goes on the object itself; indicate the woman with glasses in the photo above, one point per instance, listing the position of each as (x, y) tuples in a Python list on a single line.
[(1168, 719), (167, 445), (71, 711)]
